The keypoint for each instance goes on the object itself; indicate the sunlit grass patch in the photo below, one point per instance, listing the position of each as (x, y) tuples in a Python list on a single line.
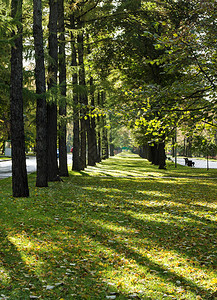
[(134, 166), (92, 237)]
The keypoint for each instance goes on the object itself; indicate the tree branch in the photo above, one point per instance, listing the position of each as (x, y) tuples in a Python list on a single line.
[(200, 67)]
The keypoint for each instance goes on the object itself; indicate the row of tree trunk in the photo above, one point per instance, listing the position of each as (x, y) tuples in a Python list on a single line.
[(84, 127), (154, 153), (90, 142)]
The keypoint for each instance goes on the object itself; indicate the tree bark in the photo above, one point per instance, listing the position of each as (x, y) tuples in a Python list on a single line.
[(99, 139), (19, 172), (76, 165), (149, 153), (111, 145), (52, 81), (63, 167), (156, 155), (92, 143), (105, 152), (41, 111), (112, 149), (83, 100), (162, 155)]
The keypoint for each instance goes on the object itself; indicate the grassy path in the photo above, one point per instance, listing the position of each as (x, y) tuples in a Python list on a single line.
[(121, 230)]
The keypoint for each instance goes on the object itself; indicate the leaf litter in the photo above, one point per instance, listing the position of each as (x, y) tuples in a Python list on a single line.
[(128, 238)]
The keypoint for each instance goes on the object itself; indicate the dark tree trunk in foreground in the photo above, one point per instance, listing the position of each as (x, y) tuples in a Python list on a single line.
[(76, 114), (52, 81), (19, 173), (41, 112), (63, 167)]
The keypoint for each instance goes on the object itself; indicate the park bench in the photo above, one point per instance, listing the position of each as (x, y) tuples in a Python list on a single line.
[(188, 162)]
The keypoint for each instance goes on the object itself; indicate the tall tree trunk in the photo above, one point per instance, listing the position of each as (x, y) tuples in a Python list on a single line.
[(105, 153), (154, 154), (92, 143), (52, 81), (63, 168), (112, 149), (99, 139), (19, 173), (83, 100), (76, 165), (111, 145), (162, 155), (173, 146), (149, 154), (41, 111), (142, 151)]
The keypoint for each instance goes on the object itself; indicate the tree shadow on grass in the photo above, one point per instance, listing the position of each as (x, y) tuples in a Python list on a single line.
[(103, 201), (107, 239), (65, 261), (193, 236), (189, 234), (18, 281)]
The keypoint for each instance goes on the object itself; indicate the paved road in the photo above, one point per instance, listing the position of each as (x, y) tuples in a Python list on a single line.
[(6, 166), (199, 163)]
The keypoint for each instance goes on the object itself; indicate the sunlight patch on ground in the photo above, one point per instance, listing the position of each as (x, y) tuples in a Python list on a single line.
[(93, 171), (156, 193), (4, 275), (94, 237)]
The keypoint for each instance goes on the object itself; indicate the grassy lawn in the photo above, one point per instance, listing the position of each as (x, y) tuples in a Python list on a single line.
[(121, 230)]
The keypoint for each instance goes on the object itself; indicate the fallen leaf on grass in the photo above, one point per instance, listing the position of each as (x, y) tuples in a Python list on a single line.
[(50, 287), (133, 296), (112, 295), (3, 297)]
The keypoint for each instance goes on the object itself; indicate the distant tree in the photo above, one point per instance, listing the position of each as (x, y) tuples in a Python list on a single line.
[(19, 172)]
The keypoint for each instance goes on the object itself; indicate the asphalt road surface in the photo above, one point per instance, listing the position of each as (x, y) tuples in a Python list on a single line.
[(199, 163), (6, 166)]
